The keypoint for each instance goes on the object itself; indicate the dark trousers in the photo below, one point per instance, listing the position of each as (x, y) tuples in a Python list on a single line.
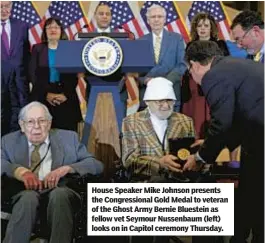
[(249, 198), (61, 202)]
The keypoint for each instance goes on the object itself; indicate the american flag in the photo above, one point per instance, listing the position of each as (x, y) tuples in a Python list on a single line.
[(215, 9), (26, 12), (123, 18), (174, 20), (71, 16)]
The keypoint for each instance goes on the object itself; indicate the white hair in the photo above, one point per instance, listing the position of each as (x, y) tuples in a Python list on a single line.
[(23, 112), (154, 6)]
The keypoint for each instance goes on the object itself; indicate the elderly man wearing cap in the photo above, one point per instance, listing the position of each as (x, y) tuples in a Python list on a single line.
[(145, 149)]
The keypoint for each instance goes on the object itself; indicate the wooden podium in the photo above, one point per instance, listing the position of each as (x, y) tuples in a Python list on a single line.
[(105, 110)]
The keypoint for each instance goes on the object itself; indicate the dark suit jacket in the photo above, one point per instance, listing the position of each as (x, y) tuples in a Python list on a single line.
[(9, 99), (65, 149), (19, 56), (234, 89), (39, 73)]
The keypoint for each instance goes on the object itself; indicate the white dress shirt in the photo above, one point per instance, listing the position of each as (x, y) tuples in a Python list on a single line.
[(46, 164), (108, 30), (7, 28), (160, 127)]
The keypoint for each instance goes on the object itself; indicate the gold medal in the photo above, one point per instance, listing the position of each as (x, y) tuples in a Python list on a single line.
[(183, 154)]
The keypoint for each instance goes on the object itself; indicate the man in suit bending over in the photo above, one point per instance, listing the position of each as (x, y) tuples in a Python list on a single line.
[(41, 158), (167, 51), (234, 89)]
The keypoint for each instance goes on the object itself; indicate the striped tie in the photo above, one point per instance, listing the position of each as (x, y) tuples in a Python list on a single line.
[(157, 48)]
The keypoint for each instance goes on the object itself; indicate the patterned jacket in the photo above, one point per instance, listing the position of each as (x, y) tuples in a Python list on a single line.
[(141, 149)]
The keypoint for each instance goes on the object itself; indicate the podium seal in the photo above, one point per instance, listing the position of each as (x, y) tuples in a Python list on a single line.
[(102, 56)]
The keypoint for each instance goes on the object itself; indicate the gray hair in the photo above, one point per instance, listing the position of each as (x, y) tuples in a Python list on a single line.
[(154, 6), (23, 112)]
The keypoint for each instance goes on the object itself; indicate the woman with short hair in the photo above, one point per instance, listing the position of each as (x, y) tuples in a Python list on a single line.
[(56, 90)]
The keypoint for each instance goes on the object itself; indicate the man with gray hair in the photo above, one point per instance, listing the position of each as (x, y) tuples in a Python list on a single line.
[(167, 51), (41, 158)]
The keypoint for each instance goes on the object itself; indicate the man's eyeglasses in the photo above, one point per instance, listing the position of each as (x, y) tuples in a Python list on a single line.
[(52, 27), (162, 102), (32, 123), (240, 39), (157, 16)]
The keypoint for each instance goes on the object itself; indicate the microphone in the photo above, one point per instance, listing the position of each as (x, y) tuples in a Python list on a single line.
[(84, 26), (131, 35)]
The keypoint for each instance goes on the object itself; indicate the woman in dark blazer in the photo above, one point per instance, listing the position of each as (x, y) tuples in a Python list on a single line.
[(56, 90)]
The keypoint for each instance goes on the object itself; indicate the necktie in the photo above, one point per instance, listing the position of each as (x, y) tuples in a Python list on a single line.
[(257, 57), (4, 37), (157, 48), (251, 57), (35, 159)]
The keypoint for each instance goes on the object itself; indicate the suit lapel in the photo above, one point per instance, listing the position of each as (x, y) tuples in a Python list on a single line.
[(56, 149), (150, 39), (44, 57), (14, 36), (164, 43), (4, 54), (175, 129), (22, 151)]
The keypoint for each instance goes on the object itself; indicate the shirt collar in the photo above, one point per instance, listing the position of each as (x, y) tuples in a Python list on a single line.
[(46, 141), (6, 21), (108, 30), (160, 35)]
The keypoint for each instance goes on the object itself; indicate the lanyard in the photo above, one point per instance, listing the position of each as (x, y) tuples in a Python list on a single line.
[(42, 158)]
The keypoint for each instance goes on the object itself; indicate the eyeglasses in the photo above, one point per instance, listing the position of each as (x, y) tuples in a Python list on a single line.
[(32, 123), (157, 16), (52, 27), (162, 102), (240, 39)]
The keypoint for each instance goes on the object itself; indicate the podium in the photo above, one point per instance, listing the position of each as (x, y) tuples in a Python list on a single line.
[(105, 109)]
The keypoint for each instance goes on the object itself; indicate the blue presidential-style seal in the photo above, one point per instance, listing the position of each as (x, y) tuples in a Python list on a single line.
[(102, 56)]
